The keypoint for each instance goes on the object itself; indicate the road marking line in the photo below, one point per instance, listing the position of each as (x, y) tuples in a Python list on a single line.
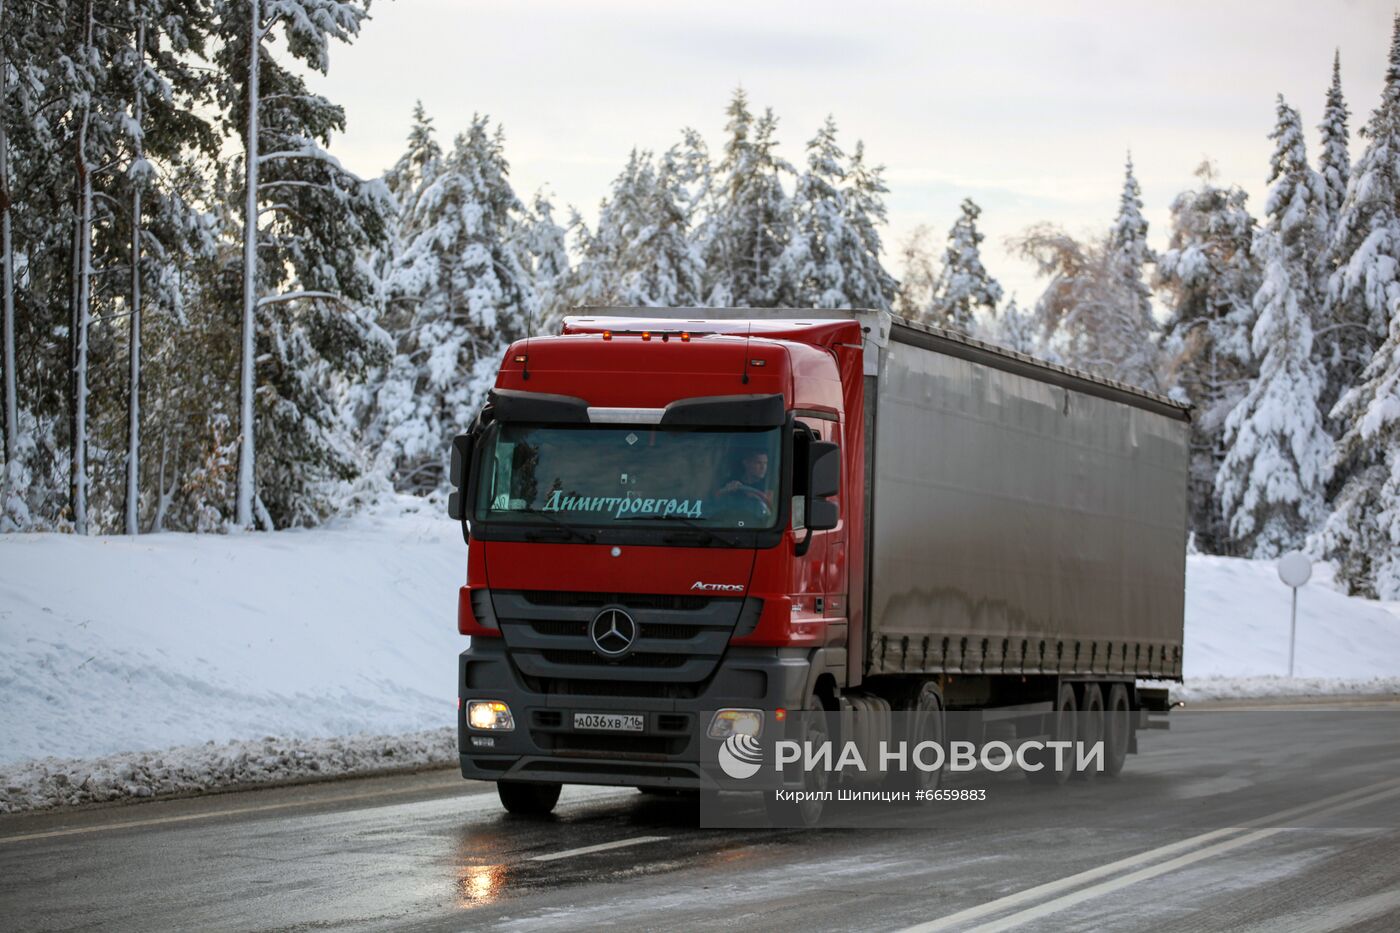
[(1093, 874), (600, 847), (1152, 871), (478, 801)]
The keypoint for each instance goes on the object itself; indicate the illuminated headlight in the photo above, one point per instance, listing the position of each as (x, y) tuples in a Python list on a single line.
[(729, 722), (490, 714)]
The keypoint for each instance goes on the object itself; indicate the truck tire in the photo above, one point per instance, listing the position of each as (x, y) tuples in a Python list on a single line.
[(1062, 729), (1091, 727), (815, 730), (927, 724), (526, 798), (1118, 730)]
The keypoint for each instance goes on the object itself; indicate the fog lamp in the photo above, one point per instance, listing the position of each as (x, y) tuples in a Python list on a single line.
[(490, 714), (729, 722)]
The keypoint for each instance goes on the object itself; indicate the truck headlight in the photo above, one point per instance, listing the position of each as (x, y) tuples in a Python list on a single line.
[(729, 722), (490, 714)]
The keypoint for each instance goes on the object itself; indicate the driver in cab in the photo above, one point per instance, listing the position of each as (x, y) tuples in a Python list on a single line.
[(751, 484)]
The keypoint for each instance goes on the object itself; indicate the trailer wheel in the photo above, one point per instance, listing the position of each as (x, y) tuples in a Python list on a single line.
[(927, 725), (1118, 730), (1091, 726), (527, 798), (1062, 729), (808, 812)]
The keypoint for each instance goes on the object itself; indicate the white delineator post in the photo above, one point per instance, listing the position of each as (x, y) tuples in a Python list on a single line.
[(1294, 569)]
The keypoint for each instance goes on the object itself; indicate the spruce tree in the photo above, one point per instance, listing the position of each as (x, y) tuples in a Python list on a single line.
[(1337, 343), (821, 245), (466, 273), (963, 286), (868, 284), (1129, 256), (1271, 480), (1366, 239), (1333, 161), (1363, 532), (1209, 276), (751, 216)]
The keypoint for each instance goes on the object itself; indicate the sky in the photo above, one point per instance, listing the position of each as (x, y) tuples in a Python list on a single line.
[(1030, 109)]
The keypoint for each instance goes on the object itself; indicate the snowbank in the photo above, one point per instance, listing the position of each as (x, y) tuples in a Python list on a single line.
[(192, 769), (1237, 620), (120, 647), (114, 644)]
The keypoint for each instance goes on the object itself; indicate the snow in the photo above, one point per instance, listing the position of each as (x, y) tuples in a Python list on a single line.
[(114, 644), (333, 650)]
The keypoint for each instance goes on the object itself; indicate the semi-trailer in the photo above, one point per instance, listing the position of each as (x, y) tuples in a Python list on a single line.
[(727, 514)]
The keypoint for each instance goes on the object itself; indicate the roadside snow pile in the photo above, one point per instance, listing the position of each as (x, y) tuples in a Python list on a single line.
[(53, 782), (115, 644), (1249, 688), (1237, 620)]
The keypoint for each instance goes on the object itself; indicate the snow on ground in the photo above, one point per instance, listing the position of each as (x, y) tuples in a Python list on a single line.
[(192, 769), (113, 649), (115, 644)]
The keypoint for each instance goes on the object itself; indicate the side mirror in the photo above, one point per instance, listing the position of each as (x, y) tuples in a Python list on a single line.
[(461, 464), (823, 479), (822, 515), (824, 464)]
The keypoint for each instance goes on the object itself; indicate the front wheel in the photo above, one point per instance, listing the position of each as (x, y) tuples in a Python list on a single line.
[(528, 798), (807, 811)]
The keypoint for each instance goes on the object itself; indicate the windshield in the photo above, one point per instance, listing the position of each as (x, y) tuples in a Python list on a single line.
[(590, 475)]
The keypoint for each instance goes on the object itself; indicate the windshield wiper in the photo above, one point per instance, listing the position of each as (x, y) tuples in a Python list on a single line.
[(701, 529), (585, 536)]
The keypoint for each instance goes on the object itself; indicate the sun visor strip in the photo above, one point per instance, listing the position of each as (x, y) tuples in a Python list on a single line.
[(537, 407), (727, 411)]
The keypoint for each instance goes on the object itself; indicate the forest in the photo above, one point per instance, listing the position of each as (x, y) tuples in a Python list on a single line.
[(210, 324)]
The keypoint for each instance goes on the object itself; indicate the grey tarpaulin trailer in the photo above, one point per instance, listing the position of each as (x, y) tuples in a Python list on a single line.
[(1025, 518)]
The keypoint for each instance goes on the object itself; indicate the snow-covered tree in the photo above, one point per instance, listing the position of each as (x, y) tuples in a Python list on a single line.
[(750, 218), (1337, 344), (1129, 256), (641, 253), (1365, 247), (963, 286), (1209, 276), (307, 223), (466, 273), (1014, 328), (1095, 312), (1271, 481), (1333, 161), (868, 284), (827, 260), (1363, 533), (545, 240)]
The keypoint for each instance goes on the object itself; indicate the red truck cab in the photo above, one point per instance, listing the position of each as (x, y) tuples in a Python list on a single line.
[(662, 520)]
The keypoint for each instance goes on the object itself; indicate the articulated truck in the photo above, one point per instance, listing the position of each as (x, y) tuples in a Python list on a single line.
[(676, 515)]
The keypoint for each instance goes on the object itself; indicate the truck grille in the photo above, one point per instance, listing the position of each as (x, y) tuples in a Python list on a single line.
[(680, 638)]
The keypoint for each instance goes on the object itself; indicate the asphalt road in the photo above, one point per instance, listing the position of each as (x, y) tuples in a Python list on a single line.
[(1291, 828)]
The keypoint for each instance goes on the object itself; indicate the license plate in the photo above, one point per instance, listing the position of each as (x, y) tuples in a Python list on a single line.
[(609, 722)]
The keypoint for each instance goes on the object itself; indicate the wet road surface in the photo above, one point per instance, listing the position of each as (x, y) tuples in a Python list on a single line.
[(431, 851)]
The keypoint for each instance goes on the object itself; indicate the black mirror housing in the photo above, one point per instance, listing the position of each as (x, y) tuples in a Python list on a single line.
[(822, 515), (824, 468)]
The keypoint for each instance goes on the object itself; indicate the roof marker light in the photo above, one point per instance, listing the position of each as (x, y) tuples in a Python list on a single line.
[(607, 335), (685, 336), (521, 357), (646, 335)]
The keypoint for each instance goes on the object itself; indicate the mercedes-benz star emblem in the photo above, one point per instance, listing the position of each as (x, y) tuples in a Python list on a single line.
[(613, 631)]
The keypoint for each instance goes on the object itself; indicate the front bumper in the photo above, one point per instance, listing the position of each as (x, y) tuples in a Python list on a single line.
[(671, 751)]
